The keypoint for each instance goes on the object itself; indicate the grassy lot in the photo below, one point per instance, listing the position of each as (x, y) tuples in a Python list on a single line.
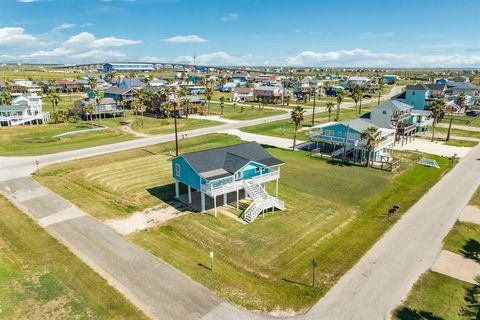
[(235, 113), (458, 132), (464, 239), (164, 126), (462, 120), (38, 75), (39, 139), (41, 279), (434, 297), (286, 128), (460, 143), (336, 218), (475, 201)]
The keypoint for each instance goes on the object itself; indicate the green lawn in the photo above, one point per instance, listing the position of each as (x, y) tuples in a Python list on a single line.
[(458, 132), (39, 139), (336, 217), (475, 201), (41, 279), (235, 113), (462, 120), (464, 239), (460, 143), (165, 126), (434, 297)]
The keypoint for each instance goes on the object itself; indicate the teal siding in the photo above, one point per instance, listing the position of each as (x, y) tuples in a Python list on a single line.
[(251, 170), (415, 98), (338, 132), (187, 175)]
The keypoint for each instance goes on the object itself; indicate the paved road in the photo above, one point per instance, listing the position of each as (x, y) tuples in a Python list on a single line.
[(370, 290)]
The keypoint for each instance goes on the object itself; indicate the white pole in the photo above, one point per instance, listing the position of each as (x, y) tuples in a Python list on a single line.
[(202, 196), (189, 194), (215, 205), (177, 189)]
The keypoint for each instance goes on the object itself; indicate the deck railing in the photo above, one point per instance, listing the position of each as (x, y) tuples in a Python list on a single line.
[(229, 184)]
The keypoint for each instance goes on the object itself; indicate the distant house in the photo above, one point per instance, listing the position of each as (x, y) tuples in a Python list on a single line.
[(345, 139), (128, 67), (66, 85), (228, 174), (228, 87), (358, 81), (121, 96), (456, 88), (129, 83), (24, 86), (24, 109), (267, 92), (106, 108), (243, 95), (422, 95), (390, 79), (332, 90), (196, 90), (157, 83)]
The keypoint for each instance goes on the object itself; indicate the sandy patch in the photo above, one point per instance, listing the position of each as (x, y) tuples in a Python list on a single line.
[(146, 219), (436, 148), (470, 214), (456, 266)]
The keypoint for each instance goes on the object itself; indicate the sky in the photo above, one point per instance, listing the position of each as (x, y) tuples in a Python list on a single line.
[(333, 33)]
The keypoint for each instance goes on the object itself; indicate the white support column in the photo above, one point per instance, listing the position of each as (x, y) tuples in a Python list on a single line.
[(215, 205), (177, 189), (202, 196), (224, 199), (276, 189), (189, 194), (238, 206)]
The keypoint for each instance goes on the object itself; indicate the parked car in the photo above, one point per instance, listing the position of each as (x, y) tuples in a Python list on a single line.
[(473, 113)]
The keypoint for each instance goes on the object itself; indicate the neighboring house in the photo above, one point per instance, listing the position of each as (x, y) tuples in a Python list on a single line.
[(456, 88), (128, 67), (344, 139), (228, 87), (400, 117), (121, 96), (157, 83), (358, 81), (66, 85), (106, 108), (240, 77), (390, 79), (267, 92), (301, 88), (332, 90), (24, 109), (196, 90), (422, 95), (228, 174), (243, 95), (134, 83), (24, 86)]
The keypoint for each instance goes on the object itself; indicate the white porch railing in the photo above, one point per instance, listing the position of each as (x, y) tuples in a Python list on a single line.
[(228, 184)]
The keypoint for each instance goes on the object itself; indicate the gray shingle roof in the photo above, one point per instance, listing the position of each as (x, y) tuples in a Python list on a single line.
[(426, 86), (117, 90), (393, 105), (230, 159)]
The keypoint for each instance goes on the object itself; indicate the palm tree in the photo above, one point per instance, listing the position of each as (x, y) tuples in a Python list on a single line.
[(360, 96), (340, 95), (208, 95), (136, 105), (371, 136), (54, 99), (89, 109), (462, 98), (186, 105), (329, 107), (356, 98), (222, 104), (183, 92), (297, 117), (98, 96), (165, 107), (6, 96), (438, 108), (92, 82)]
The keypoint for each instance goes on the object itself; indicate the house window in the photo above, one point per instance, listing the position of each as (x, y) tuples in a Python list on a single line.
[(413, 93), (178, 170), (239, 175), (257, 170), (384, 112)]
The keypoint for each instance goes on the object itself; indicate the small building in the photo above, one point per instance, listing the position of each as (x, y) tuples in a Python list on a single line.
[(358, 81), (226, 175), (345, 140), (24, 109), (134, 83), (243, 95), (121, 96), (128, 67), (332, 90), (267, 92), (390, 78), (422, 95), (106, 108)]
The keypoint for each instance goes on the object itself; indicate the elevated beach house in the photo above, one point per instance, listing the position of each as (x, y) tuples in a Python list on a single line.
[(345, 140), (226, 175)]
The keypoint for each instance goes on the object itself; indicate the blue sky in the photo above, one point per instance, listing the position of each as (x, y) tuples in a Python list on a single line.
[(379, 33)]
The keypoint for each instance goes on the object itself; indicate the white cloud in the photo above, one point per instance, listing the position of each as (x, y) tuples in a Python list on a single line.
[(186, 39), (216, 59), (64, 26), (27, 1), (368, 58), (16, 36), (230, 17)]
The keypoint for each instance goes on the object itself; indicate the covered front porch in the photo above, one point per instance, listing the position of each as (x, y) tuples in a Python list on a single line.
[(194, 201)]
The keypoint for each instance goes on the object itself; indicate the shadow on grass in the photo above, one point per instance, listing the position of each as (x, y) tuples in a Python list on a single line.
[(204, 266), (471, 250), (166, 193), (298, 283), (411, 314)]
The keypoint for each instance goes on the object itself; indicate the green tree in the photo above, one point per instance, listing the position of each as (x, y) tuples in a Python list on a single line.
[(54, 98), (472, 309), (222, 104), (339, 96), (186, 104), (329, 108), (98, 96), (371, 136), (297, 117), (438, 108), (6, 96), (461, 100), (208, 96)]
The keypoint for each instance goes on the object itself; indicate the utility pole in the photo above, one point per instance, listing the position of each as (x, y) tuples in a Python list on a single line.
[(175, 122), (314, 100)]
